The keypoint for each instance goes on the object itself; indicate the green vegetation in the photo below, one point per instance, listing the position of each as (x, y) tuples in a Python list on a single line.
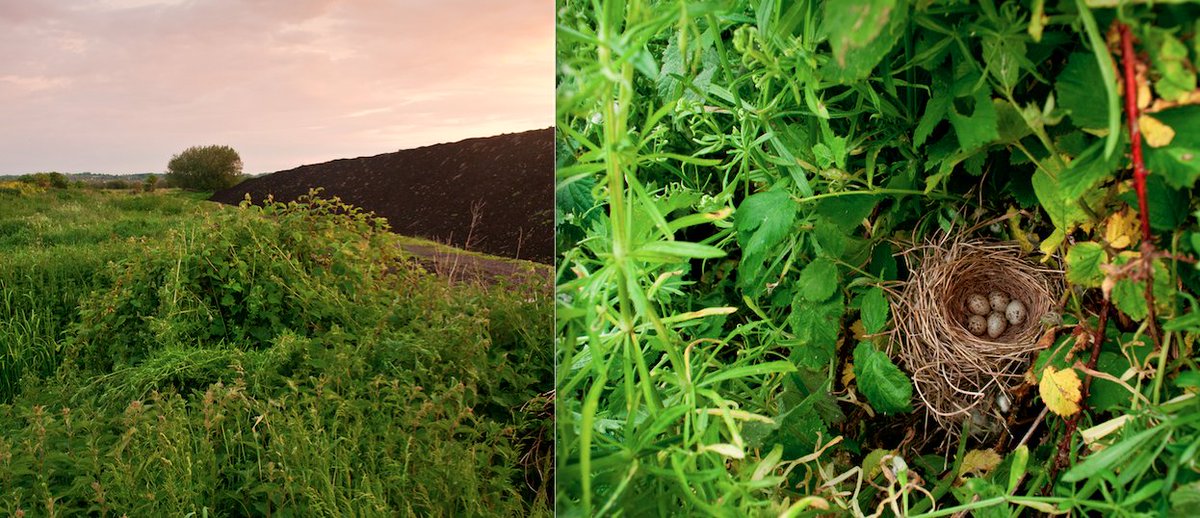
[(205, 168), (164, 356), (735, 182)]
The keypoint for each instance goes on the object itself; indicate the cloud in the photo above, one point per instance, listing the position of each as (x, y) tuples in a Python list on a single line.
[(121, 85)]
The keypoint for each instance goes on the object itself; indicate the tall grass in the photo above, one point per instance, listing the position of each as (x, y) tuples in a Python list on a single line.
[(278, 361)]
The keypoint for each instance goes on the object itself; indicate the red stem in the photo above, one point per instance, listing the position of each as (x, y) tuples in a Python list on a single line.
[(1129, 59)]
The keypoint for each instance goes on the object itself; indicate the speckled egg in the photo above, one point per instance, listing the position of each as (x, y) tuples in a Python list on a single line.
[(978, 304), (977, 325), (999, 300), (1015, 312), (996, 325)]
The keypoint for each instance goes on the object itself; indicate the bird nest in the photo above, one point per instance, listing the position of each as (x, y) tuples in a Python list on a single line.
[(960, 375)]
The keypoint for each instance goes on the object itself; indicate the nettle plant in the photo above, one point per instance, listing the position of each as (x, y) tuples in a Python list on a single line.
[(735, 181)]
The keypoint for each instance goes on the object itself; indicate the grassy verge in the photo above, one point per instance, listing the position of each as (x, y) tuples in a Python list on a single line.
[(165, 356)]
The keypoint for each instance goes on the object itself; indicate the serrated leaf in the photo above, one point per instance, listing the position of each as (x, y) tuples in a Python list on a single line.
[(1179, 162), (1060, 391), (1080, 92), (979, 125), (847, 212), (1129, 297), (816, 326), (1083, 264), (935, 112), (883, 383), (830, 237), (874, 310), (861, 32), (818, 280), (762, 221), (979, 462)]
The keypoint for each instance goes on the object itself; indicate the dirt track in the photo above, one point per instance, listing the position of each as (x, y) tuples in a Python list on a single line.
[(463, 267)]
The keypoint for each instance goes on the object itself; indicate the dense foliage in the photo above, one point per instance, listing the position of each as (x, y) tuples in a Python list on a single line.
[(735, 181), (205, 168), (166, 357)]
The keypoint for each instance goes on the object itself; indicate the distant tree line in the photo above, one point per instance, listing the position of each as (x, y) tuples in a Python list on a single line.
[(198, 168)]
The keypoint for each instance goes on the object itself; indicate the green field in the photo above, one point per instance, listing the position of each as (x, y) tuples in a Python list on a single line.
[(161, 355)]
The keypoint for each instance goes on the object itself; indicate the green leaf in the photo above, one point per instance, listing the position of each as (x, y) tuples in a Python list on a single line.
[(935, 111), (762, 221), (874, 310), (887, 388), (1063, 211), (1107, 459), (1179, 162), (1087, 170), (1185, 500), (861, 33), (974, 119), (1078, 90), (847, 211), (674, 250), (1129, 297), (1176, 78), (816, 326), (818, 280), (1005, 57), (830, 237), (1083, 264), (1168, 207), (1105, 395)]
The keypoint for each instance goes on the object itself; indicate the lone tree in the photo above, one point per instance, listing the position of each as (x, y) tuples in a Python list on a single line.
[(205, 168)]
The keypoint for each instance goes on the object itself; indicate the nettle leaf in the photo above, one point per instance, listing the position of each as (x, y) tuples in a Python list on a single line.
[(762, 221), (830, 237), (818, 280), (974, 119), (817, 326), (935, 112), (861, 33), (874, 310), (1083, 264), (1185, 500), (883, 383), (1179, 162), (1079, 91)]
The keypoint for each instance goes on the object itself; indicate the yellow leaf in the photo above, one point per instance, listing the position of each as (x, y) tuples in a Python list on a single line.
[(847, 374), (1122, 229), (1060, 391), (860, 332), (1157, 134), (979, 462)]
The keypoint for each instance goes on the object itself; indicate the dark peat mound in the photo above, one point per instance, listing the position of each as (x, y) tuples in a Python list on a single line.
[(493, 195)]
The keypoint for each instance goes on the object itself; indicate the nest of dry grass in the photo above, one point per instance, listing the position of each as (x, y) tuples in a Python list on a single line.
[(958, 375)]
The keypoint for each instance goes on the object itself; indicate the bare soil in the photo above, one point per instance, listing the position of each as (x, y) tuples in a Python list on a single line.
[(493, 195)]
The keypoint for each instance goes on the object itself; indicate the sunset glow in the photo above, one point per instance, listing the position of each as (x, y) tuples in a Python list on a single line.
[(118, 86)]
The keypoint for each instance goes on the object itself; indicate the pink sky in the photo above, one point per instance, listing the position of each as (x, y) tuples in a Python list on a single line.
[(118, 86)]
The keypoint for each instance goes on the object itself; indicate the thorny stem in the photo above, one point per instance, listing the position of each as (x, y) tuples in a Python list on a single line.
[(1129, 60), (1064, 446)]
